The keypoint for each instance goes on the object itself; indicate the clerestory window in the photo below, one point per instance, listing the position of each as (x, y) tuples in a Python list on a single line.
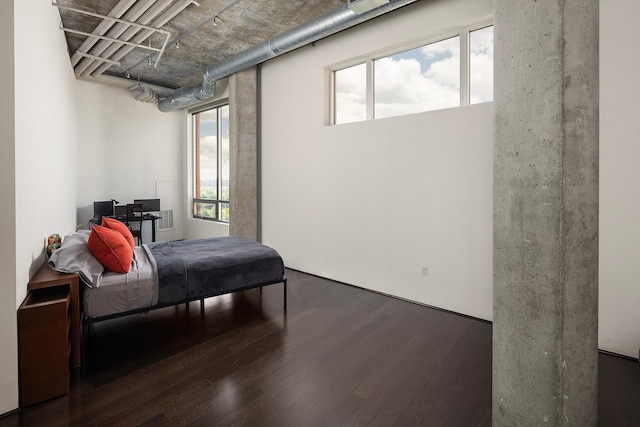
[(427, 77)]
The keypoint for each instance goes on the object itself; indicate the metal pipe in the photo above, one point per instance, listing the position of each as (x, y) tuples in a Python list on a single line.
[(110, 18), (98, 58), (121, 51), (128, 34), (329, 23), (117, 11), (115, 32), (185, 34), (111, 39)]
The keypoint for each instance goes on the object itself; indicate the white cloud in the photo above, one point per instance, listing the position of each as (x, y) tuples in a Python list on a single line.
[(447, 46), (351, 103), (402, 88), (208, 156), (481, 65)]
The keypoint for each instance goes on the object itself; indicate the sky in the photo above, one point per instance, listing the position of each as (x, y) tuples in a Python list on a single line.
[(208, 144), (421, 79)]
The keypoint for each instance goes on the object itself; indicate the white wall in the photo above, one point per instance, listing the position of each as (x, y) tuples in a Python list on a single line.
[(38, 159), (370, 203), (619, 177), (8, 326), (128, 150), (45, 108)]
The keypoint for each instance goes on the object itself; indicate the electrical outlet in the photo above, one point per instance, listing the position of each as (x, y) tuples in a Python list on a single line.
[(425, 270)]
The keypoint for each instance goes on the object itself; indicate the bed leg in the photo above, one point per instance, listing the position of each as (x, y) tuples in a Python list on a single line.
[(83, 342), (285, 295), (86, 336)]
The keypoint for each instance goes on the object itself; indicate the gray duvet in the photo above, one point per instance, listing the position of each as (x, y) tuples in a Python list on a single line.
[(190, 269)]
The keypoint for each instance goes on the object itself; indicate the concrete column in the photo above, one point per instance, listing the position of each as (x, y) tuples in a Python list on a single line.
[(545, 329), (243, 134)]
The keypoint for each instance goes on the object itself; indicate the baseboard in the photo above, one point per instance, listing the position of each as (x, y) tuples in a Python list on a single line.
[(621, 356), (6, 414)]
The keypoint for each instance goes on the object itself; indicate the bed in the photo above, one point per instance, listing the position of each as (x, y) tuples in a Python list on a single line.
[(168, 273)]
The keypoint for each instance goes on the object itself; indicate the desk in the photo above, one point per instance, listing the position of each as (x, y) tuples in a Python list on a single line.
[(47, 277), (145, 217)]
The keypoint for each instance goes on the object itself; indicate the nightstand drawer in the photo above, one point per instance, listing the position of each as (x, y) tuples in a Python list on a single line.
[(44, 346)]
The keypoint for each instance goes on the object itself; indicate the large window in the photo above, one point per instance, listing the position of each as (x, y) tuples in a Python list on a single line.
[(426, 77), (211, 164)]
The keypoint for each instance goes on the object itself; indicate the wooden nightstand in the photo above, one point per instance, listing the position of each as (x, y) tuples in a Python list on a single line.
[(46, 277), (44, 334)]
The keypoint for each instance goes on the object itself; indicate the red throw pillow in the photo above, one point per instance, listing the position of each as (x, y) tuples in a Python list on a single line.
[(120, 227), (110, 248)]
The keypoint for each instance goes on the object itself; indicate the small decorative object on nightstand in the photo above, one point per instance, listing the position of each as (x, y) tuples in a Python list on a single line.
[(53, 243)]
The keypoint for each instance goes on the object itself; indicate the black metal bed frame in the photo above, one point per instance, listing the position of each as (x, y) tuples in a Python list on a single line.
[(88, 321)]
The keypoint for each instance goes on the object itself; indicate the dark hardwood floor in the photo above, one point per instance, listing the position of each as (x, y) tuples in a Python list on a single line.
[(340, 356)]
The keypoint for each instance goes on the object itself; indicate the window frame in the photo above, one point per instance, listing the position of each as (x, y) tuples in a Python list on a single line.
[(463, 32), (195, 200)]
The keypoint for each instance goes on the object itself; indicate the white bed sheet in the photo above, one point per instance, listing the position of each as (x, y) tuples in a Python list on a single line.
[(123, 292)]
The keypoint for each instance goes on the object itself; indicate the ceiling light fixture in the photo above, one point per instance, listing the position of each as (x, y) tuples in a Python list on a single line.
[(214, 20), (361, 6), (177, 44), (127, 74)]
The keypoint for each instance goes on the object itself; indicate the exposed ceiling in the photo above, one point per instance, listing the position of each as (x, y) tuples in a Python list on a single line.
[(239, 25)]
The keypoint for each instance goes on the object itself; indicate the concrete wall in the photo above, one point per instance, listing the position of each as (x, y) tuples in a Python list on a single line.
[(370, 203), (243, 156), (619, 177), (545, 227)]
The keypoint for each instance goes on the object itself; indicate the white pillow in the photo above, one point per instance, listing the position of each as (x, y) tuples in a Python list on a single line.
[(73, 256)]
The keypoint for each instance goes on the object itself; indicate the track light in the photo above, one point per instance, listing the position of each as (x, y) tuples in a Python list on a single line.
[(127, 74), (177, 44), (149, 61), (214, 20)]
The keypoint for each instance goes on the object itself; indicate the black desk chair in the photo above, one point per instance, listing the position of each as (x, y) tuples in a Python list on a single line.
[(134, 220), (120, 212)]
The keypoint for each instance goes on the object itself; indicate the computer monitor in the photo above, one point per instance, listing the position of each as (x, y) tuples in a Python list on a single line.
[(149, 205), (102, 208)]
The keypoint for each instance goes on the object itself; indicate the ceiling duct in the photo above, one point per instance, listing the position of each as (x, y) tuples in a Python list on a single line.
[(362, 6), (325, 25)]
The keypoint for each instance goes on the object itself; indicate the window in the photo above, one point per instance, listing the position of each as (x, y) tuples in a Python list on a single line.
[(422, 79), (350, 91), (428, 77), (211, 164), (481, 65)]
